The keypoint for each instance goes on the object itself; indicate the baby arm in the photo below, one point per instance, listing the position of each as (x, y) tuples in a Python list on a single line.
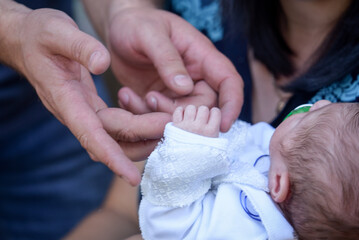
[(180, 170)]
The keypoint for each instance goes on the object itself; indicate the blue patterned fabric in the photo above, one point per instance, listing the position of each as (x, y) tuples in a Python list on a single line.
[(204, 15), (48, 183), (346, 90)]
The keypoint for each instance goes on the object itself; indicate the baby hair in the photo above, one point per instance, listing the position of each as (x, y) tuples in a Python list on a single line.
[(323, 165)]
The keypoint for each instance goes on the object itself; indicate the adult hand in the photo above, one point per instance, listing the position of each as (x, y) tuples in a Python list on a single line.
[(157, 54), (56, 57)]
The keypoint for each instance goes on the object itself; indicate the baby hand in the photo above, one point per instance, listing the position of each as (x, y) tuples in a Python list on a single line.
[(201, 121)]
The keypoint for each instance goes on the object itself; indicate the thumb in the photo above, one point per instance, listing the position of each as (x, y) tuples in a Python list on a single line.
[(76, 45)]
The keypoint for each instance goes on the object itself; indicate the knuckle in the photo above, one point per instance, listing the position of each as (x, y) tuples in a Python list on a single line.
[(77, 48), (107, 162), (104, 157), (93, 157), (169, 58), (83, 139), (125, 135)]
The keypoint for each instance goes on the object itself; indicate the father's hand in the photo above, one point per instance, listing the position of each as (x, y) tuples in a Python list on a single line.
[(157, 54), (56, 57)]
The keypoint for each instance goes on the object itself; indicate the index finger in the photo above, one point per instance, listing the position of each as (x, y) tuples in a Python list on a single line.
[(160, 49), (137, 134), (222, 76)]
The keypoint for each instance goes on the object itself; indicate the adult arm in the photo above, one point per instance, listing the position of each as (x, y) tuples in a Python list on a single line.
[(47, 47), (158, 55)]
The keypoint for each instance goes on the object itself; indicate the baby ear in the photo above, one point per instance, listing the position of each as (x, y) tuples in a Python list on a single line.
[(279, 187)]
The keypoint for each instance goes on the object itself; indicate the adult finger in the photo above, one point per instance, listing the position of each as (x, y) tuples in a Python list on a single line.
[(229, 85), (137, 134), (202, 94), (161, 51), (132, 149), (130, 101), (81, 47), (230, 101), (125, 126)]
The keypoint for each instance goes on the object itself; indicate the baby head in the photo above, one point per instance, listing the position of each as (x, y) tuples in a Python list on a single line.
[(314, 173)]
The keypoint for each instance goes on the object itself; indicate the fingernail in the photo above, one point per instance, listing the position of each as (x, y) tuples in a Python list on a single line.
[(182, 80), (153, 103), (93, 58)]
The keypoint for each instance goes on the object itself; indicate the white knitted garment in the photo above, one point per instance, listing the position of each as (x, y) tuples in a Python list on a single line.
[(181, 168), (241, 170), (178, 173)]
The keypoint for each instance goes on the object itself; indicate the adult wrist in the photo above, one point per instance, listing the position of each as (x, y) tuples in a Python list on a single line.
[(101, 13), (118, 6), (11, 15)]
